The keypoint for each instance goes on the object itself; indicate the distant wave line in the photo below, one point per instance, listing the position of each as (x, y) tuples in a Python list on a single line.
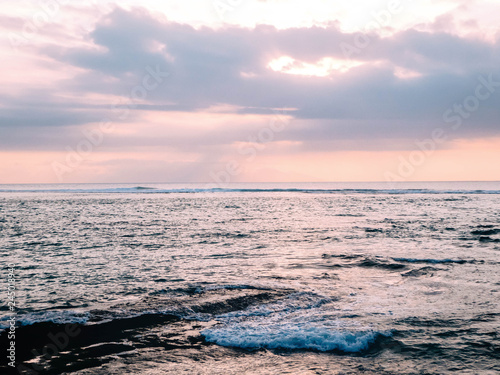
[(152, 190)]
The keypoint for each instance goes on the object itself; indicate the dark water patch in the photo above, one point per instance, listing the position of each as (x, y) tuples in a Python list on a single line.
[(67, 305), (359, 260), (435, 261), (428, 322), (461, 332), (154, 234), (173, 280), (342, 256), (487, 317), (276, 277), (488, 239), (421, 272), (152, 246), (30, 267), (209, 299), (371, 262), (178, 291), (242, 219), (462, 349), (35, 243), (329, 238), (221, 234), (65, 348), (374, 230), (485, 232), (228, 255), (325, 276), (233, 304), (205, 242)]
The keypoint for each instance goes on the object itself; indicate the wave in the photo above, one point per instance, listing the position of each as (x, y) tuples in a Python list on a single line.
[(427, 270), (210, 300), (191, 318), (300, 321), (291, 336), (485, 232), (365, 261), (137, 189), (391, 264), (152, 190), (432, 261), (56, 317)]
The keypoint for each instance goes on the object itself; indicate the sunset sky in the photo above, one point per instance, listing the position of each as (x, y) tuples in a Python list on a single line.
[(249, 90)]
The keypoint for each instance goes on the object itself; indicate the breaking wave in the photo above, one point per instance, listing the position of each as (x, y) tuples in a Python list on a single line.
[(291, 336)]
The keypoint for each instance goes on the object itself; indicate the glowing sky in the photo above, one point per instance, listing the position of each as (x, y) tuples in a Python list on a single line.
[(249, 90)]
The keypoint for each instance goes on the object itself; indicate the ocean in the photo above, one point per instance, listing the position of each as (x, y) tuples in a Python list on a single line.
[(304, 278)]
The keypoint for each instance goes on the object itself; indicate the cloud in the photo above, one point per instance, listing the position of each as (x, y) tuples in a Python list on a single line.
[(398, 89)]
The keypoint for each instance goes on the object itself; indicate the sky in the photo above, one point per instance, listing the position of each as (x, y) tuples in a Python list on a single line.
[(249, 91)]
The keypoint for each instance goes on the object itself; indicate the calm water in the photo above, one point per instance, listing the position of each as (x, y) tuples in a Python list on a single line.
[(254, 278)]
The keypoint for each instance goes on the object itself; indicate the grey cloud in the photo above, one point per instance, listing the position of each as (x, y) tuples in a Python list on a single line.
[(367, 102)]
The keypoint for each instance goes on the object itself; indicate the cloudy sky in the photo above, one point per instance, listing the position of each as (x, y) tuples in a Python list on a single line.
[(249, 90)]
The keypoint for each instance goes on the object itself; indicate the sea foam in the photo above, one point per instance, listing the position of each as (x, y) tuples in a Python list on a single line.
[(301, 321), (291, 336), (57, 317)]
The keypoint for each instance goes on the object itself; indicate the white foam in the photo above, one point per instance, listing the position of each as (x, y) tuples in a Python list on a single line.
[(291, 336), (303, 320), (56, 316)]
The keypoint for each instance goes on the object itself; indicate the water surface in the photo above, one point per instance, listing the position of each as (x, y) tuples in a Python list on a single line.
[(256, 278)]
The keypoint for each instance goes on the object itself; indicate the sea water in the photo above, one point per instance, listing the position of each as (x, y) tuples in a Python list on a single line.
[(253, 278)]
